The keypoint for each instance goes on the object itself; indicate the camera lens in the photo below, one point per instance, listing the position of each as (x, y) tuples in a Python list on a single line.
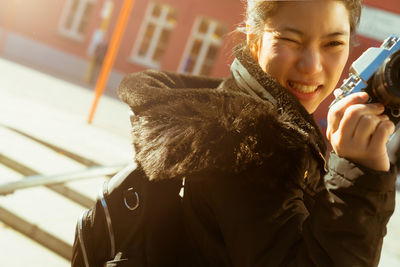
[(395, 72), (386, 81)]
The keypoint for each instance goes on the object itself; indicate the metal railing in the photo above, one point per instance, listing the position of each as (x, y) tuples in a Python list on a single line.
[(43, 180), (57, 183)]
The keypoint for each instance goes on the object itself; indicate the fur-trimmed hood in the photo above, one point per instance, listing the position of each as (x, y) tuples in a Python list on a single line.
[(186, 124)]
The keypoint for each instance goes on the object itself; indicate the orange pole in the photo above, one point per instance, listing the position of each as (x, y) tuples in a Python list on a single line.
[(111, 54)]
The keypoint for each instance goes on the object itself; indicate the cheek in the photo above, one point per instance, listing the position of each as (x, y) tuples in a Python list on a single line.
[(277, 60), (286, 54), (336, 66)]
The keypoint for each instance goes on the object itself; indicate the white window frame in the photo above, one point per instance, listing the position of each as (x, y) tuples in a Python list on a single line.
[(207, 40), (160, 24), (76, 21)]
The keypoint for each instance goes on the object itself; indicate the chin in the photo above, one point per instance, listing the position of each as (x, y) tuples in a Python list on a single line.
[(310, 109)]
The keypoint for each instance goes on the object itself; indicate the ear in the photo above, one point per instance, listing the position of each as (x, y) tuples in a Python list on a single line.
[(251, 42)]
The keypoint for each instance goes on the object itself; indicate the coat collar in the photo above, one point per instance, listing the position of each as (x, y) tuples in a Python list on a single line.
[(181, 126), (249, 77)]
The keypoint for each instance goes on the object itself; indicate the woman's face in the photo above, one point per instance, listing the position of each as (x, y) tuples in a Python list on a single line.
[(305, 47)]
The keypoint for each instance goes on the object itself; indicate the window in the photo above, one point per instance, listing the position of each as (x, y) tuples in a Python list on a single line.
[(203, 46), (160, 20), (75, 17)]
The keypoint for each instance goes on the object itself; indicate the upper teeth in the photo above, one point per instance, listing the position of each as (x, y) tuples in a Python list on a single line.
[(303, 88)]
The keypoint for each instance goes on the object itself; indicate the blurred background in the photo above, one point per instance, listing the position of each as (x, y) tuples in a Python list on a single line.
[(52, 161)]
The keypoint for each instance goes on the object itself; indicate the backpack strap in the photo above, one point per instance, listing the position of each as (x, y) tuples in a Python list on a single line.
[(98, 234), (108, 187), (102, 193), (81, 238)]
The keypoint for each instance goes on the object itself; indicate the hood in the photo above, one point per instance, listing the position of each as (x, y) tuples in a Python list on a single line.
[(183, 125)]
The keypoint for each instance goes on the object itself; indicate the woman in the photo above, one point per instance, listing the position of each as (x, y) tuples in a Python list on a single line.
[(258, 191)]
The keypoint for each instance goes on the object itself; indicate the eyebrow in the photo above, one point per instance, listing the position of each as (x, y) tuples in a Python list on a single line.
[(298, 32)]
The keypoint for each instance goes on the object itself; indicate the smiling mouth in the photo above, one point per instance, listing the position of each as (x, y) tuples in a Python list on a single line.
[(305, 89)]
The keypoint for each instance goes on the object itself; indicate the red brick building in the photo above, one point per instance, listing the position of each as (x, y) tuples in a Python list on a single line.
[(176, 35), (65, 36)]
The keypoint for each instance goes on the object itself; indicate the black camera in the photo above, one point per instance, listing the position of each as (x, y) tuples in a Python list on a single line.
[(377, 72)]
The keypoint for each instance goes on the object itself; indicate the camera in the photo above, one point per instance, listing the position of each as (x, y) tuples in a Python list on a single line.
[(377, 72)]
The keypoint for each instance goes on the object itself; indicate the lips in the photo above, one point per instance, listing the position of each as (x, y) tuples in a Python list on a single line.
[(304, 90)]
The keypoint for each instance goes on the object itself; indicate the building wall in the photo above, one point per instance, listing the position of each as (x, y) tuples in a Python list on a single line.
[(29, 34), (186, 15), (39, 20)]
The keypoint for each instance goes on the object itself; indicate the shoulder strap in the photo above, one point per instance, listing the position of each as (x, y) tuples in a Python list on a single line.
[(120, 199)]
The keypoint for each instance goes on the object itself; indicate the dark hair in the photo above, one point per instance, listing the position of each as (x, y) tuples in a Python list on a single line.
[(258, 11)]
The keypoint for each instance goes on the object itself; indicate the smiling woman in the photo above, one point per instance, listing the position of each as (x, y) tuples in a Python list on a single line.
[(304, 56), (256, 188)]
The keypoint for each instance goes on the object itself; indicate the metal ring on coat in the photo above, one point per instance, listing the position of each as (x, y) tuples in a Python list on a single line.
[(130, 193)]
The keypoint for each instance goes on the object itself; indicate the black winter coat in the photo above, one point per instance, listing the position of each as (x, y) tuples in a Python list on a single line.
[(258, 191)]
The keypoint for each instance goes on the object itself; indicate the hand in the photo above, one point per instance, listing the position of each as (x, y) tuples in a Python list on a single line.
[(359, 131)]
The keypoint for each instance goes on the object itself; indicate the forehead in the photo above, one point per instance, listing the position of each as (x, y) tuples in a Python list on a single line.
[(312, 17)]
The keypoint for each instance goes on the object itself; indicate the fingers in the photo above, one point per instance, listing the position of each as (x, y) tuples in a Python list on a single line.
[(337, 92), (377, 156), (346, 117), (367, 126), (336, 112), (358, 124), (381, 135), (367, 114), (359, 131)]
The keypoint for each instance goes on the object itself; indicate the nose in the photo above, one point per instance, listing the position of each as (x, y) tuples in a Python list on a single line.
[(310, 61)]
